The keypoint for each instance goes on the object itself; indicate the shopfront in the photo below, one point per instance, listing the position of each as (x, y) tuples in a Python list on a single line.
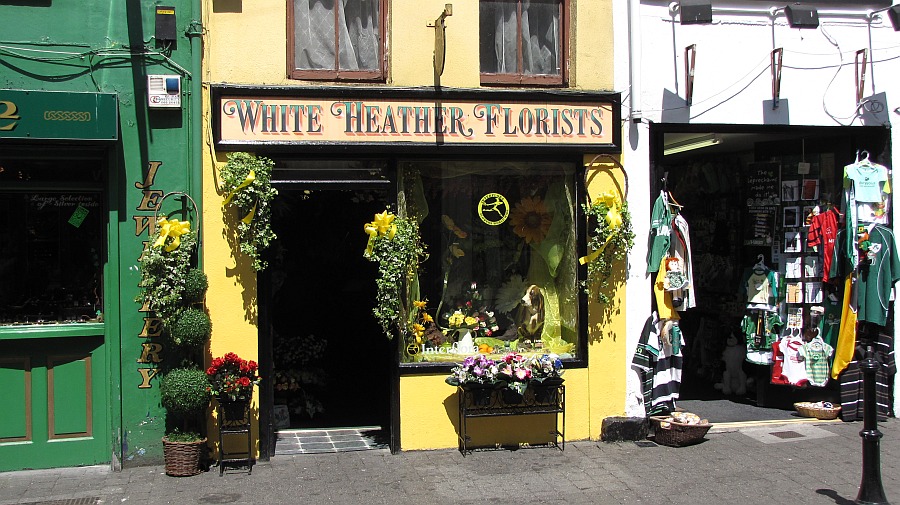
[(496, 182), (750, 125)]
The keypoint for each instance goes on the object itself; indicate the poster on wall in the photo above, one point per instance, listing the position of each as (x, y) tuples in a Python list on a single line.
[(761, 226), (762, 184)]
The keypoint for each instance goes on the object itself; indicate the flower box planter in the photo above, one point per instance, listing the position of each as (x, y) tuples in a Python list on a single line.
[(479, 400)]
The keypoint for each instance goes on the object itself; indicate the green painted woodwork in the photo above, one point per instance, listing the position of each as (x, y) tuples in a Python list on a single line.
[(58, 115), (86, 48), (14, 377), (70, 400), (51, 331)]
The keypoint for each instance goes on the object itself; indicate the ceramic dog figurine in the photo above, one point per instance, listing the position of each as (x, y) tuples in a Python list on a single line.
[(530, 319)]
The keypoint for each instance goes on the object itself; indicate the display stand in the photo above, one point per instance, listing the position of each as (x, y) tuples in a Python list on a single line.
[(234, 421), (497, 402)]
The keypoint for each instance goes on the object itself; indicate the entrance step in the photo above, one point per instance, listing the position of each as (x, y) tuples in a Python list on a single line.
[(317, 441)]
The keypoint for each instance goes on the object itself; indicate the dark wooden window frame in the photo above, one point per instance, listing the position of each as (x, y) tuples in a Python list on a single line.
[(337, 74), (521, 79)]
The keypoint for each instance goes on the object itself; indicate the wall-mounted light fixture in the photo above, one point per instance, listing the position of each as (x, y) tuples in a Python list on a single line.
[(893, 13), (695, 12), (802, 16), (691, 144)]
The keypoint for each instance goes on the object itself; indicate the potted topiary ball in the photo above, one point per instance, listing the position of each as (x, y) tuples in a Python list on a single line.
[(184, 393), (191, 329), (195, 286)]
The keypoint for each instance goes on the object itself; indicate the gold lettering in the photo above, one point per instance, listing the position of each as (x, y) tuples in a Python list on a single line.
[(8, 113), (152, 168), (145, 243), (144, 223), (147, 374), (150, 199), (152, 326), (150, 353)]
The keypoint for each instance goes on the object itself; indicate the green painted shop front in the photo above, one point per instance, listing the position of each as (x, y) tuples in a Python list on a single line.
[(86, 161)]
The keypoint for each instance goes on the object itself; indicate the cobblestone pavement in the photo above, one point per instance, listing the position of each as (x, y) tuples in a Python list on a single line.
[(795, 464)]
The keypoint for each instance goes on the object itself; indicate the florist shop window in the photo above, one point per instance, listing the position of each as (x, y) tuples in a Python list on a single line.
[(501, 273), (51, 242)]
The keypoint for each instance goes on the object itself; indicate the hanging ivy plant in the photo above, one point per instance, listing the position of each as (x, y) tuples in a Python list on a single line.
[(611, 238), (394, 244), (164, 268), (247, 182)]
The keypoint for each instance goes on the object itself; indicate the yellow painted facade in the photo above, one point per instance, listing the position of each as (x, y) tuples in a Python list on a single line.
[(245, 44)]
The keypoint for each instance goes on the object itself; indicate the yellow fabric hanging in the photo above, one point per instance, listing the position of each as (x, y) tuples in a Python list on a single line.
[(846, 342)]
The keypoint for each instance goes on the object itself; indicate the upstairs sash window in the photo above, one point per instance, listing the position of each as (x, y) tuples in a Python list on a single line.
[(336, 39)]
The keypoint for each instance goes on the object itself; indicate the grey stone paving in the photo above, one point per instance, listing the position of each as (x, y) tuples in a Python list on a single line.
[(732, 466)]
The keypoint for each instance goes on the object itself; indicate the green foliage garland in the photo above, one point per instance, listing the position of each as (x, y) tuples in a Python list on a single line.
[(614, 241), (253, 199), (398, 259), (163, 275)]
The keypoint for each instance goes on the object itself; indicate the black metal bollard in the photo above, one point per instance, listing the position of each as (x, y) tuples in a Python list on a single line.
[(871, 491)]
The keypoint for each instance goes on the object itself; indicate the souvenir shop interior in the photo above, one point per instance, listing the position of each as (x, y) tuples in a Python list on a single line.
[(753, 273)]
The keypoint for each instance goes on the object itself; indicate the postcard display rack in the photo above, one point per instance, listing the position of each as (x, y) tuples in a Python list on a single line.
[(475, 403)]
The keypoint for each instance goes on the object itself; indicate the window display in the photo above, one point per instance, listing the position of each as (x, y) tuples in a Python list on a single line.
[(51, 243), (502, 272)]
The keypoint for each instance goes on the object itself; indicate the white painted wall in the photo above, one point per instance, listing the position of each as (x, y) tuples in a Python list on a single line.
[(733, 85)]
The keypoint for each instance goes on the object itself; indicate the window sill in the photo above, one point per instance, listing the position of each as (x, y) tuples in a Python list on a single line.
[(55, 330)]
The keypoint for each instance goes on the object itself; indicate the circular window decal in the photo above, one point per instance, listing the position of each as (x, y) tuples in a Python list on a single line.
[(493, 209), (412, 349)]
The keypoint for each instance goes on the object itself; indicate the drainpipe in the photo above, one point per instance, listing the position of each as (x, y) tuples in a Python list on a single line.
[(634, 60), (195, 179)]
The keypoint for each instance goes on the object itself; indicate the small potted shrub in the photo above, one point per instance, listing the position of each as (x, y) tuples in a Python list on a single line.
[(195, 285), (184, 393), (191, 329)]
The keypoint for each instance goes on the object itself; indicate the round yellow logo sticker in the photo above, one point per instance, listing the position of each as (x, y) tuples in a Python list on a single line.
[(493, 209), (412, 349)]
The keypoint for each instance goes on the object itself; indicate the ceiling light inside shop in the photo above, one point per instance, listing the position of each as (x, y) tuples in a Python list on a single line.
[(691, 144)]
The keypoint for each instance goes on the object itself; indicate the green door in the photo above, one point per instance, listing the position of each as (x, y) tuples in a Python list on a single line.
[(54, 397)]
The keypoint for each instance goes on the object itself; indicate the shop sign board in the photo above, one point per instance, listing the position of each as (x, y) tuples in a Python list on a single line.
[(290, 120), (62, 115)]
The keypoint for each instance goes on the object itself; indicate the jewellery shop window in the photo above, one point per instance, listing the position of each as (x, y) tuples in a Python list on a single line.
[(51, 242), (501, 272)]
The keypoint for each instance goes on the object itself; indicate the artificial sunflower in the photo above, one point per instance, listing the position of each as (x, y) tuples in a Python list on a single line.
[(530, 220)]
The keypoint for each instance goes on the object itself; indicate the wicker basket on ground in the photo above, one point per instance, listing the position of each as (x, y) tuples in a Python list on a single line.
[(675, 434), (182, 458), (819, 410)]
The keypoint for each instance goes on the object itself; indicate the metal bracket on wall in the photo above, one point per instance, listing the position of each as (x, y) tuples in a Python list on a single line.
[(860, 73), (777, 56), (690, 58)]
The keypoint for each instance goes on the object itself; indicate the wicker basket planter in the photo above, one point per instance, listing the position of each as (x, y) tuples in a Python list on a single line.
[(675, 434), (182, 458), (818, 410)]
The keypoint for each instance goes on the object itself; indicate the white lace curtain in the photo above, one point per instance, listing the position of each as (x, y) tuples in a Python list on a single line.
[(540, 37), (358, 38)]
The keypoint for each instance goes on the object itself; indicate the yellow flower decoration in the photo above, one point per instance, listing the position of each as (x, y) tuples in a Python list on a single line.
[(427, 317), (456, 319), (420, 304), (171, 228), (614, 218), (470, 321), (609, 199)]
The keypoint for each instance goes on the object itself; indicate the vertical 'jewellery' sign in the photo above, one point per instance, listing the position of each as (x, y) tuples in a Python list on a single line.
[(144, 225)]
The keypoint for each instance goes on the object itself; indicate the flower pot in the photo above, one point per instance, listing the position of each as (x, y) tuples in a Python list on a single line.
[(481, 395), (511, 396), (547, 392), (234, 411), (182, 458)]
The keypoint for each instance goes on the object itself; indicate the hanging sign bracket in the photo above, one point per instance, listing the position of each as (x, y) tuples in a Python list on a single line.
[(860, 73), (690, 58), (777, 56)]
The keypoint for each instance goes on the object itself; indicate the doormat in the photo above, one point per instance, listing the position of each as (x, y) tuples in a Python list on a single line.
[(789, 433), (317, 441)]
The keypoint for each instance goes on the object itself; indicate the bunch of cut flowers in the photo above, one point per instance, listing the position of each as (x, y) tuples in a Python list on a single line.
[(546, 366), (232, 378), (473, 314), (478, 369), (515, 370)]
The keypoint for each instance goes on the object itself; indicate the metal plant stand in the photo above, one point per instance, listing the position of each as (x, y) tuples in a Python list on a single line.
[(234, 421), (499, 402)]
